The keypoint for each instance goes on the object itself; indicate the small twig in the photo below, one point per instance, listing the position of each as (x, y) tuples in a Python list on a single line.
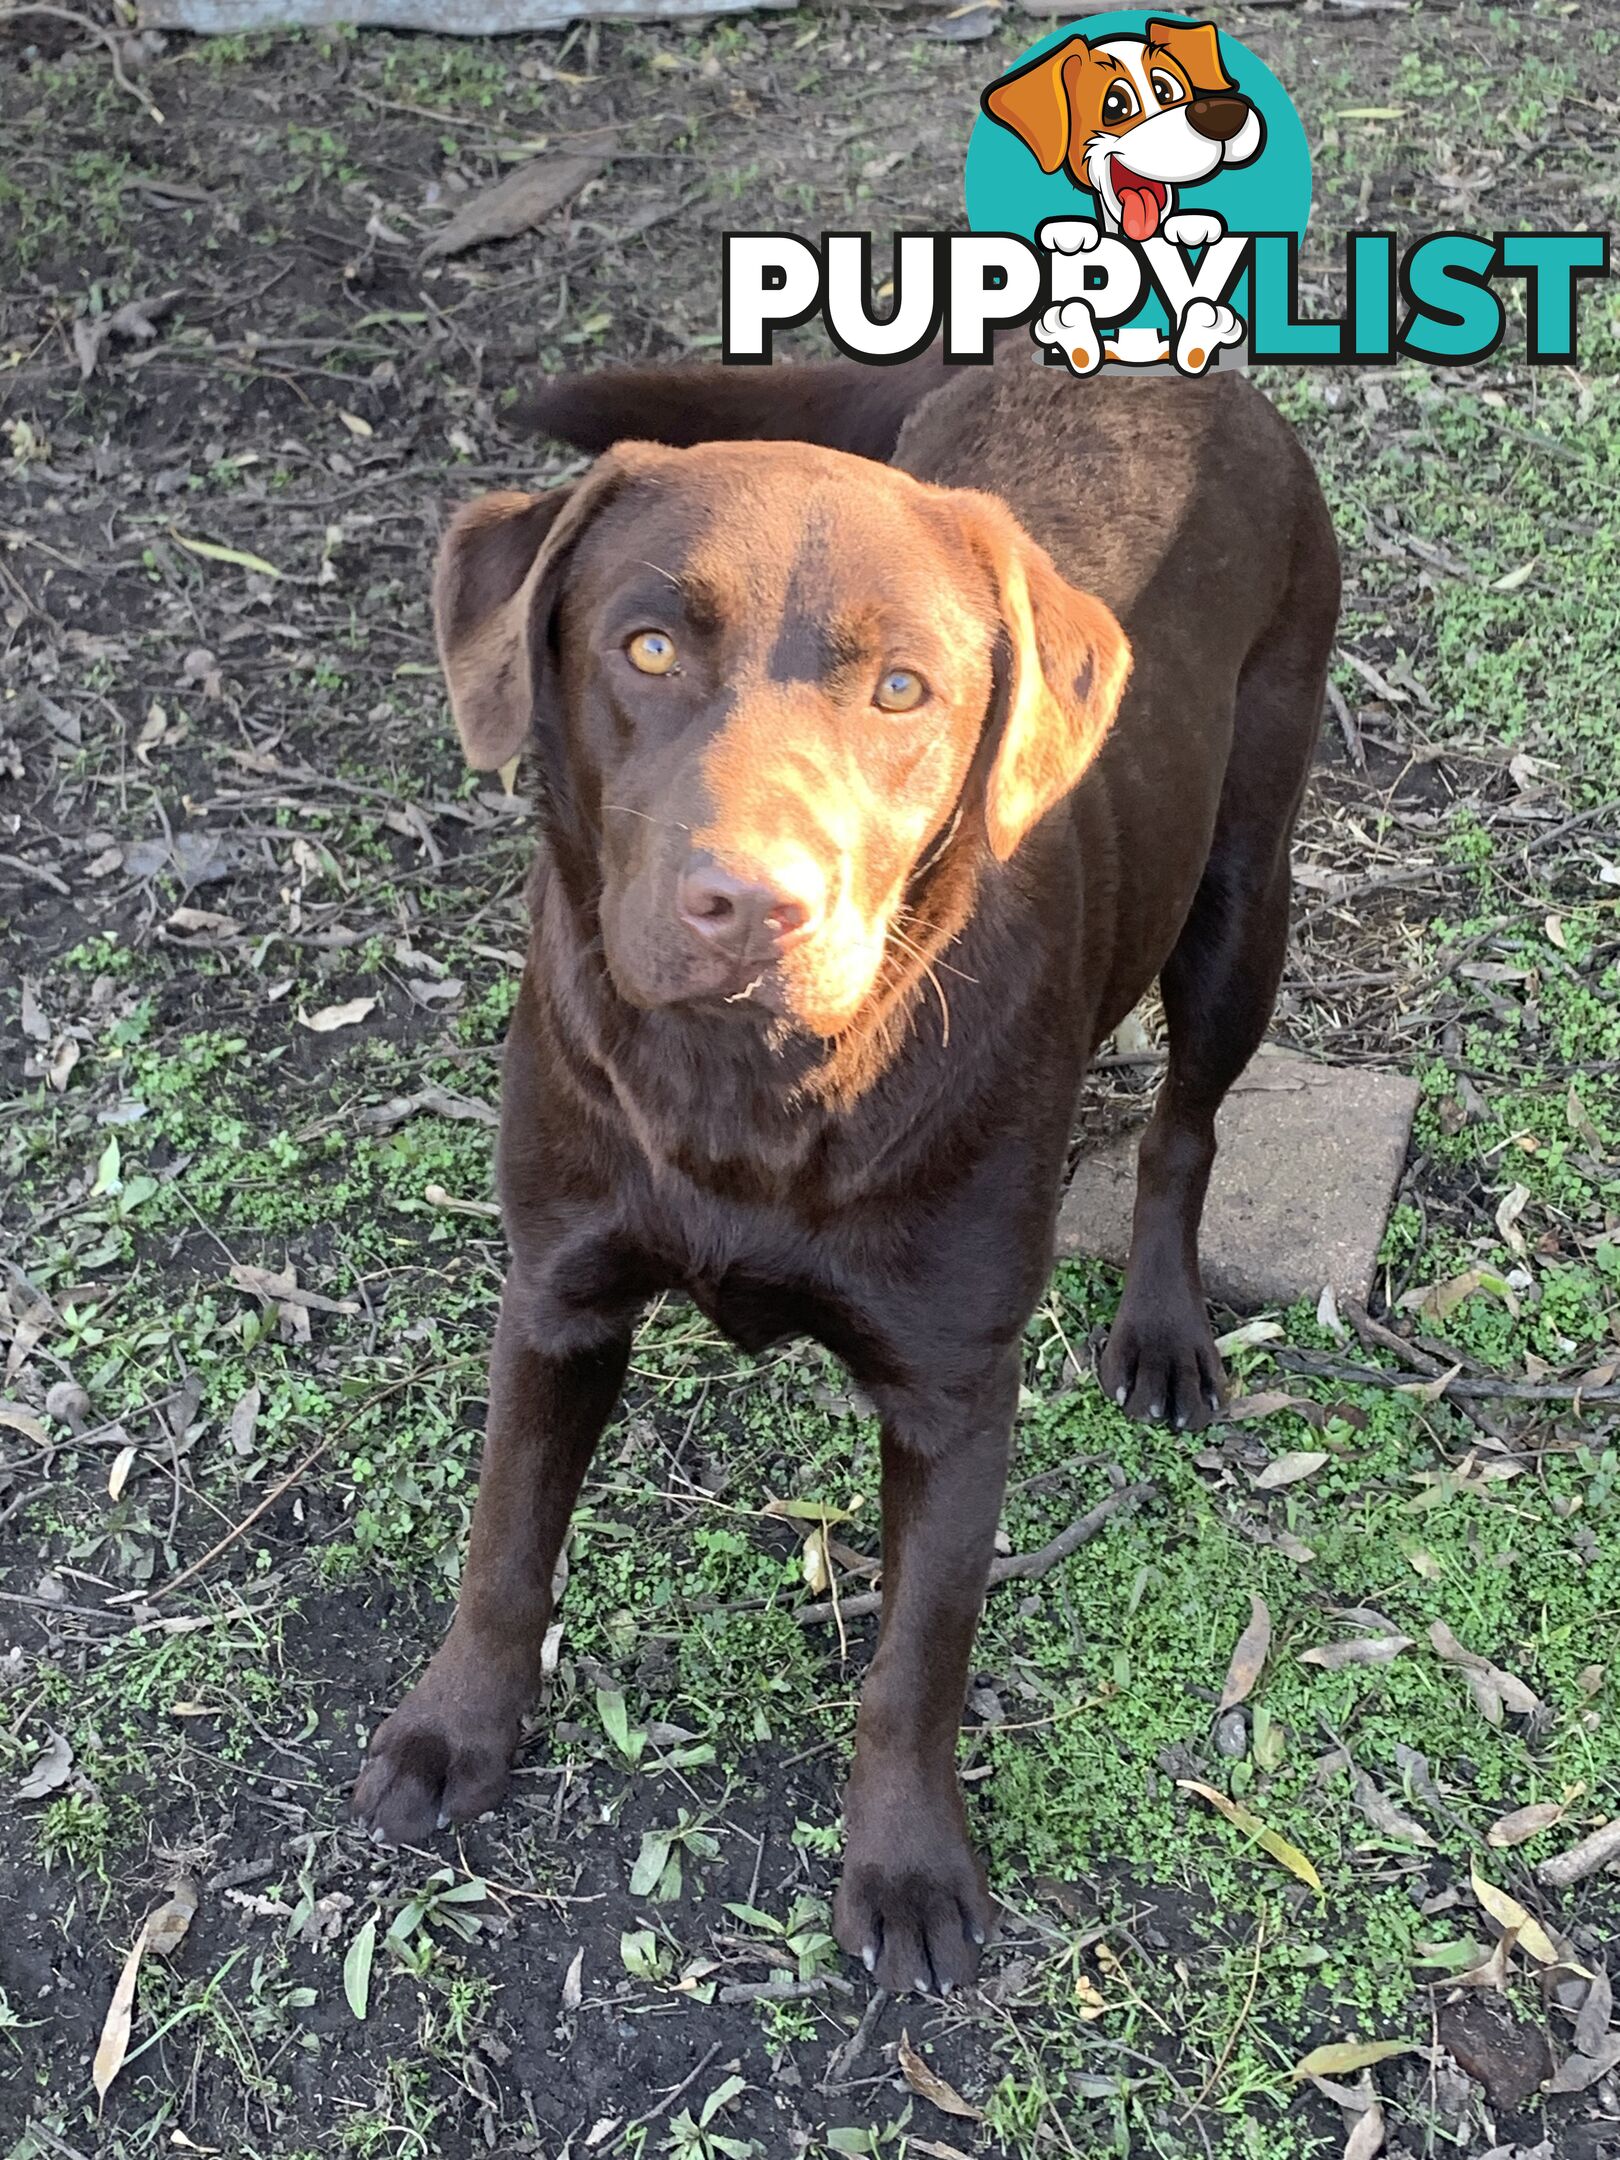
[(1353, 743), (1465, 1390), (1379, 1337), (186, 1574), (663, 2106), (1015, 1567), (841, 2064), (784, 1990), (96, 30), (1601, 1849), (1225, 2057)]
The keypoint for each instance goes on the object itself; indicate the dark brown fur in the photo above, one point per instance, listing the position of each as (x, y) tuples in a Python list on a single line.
[(868, 1154)]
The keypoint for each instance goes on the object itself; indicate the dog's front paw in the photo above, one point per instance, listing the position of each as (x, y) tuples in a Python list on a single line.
[(438, 1760), (1205, 326), (1161, 1364), (913, 1907), (1193, 228), (1072, 330), (1068, 236)]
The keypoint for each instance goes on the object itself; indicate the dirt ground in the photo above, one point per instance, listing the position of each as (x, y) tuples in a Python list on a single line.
[(259, 936)]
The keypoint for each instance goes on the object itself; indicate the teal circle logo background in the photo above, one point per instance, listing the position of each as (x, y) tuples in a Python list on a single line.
[(1006, 191)]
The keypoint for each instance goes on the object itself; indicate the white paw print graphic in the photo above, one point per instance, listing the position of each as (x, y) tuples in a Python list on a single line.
[(1193, 228), (1205, 326), (1068, 236), (1073, 331)]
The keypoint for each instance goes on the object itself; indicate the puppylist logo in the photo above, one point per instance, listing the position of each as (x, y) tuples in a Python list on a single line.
[(1137, 193)]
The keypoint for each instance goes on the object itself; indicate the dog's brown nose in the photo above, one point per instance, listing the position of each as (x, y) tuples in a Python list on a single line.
[(743, 920), (1218, 118)]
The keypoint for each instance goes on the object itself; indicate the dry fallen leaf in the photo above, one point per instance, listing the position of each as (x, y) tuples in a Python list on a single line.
[(336, 1016), (1507, 1912), (1248, 1659), (113, 2045), (1342, 2058), (1358, 1650), (1490, 1972), (1384, 1816), (1244, 1408), (166, 1928), (49, 1772), (1577, 2072), (1289, 1469), (813, 1565), (522, 199), (1521, 1824), (1281, 1849), (1592, 2024), (1492, 1689), (1245, 1337), (24, 1422), (927, 2083), (1368, 2136), (1512, 1205)]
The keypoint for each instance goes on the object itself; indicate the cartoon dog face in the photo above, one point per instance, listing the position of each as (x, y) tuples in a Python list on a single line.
[(1131, 118)]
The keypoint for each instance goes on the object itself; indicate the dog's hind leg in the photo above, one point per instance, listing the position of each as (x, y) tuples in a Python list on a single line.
[(1219, 986)]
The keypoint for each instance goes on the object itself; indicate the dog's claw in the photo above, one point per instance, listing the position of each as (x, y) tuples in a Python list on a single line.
[(377, 1834), (869, 1957), (1119, 1395), (444, 1820)]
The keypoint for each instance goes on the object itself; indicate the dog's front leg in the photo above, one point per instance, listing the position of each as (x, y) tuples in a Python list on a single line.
[(445, 1753), (912, 1903)]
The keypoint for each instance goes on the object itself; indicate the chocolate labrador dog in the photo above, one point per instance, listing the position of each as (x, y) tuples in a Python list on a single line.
[(880, 773)]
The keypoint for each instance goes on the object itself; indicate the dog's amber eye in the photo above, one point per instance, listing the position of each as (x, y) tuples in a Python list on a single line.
[(1119, 104), (651, 651), (900, 691), (1166, 88)]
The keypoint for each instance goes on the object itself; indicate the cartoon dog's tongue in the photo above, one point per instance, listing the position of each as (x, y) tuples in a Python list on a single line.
[(1139, 202)]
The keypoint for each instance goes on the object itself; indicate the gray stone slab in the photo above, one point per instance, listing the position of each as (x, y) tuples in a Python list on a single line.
[(1309, 1159)]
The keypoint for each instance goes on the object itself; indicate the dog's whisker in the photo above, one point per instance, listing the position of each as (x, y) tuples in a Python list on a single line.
[(626, 810), (910, 915), (926, 965)]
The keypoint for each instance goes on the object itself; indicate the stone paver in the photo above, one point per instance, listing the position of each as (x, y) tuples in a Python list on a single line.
[(1310, 1156)]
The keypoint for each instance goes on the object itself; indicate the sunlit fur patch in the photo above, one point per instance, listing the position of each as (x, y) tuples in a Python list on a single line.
[(790, 780)]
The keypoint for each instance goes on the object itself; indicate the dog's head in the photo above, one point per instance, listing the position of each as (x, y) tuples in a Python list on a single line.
[(1131, 118), (769, 687)]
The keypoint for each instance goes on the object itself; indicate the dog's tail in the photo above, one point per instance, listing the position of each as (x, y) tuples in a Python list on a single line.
[(842, 404)]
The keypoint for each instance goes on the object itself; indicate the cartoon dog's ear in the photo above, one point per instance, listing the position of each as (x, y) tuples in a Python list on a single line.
[(497, 581), (1196, 50), (1033, 102), (1061, 668)]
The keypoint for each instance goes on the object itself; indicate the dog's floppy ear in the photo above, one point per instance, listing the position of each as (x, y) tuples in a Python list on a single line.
[(1034, 102), (497, 579), (1196, 50), (1060, 672)]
